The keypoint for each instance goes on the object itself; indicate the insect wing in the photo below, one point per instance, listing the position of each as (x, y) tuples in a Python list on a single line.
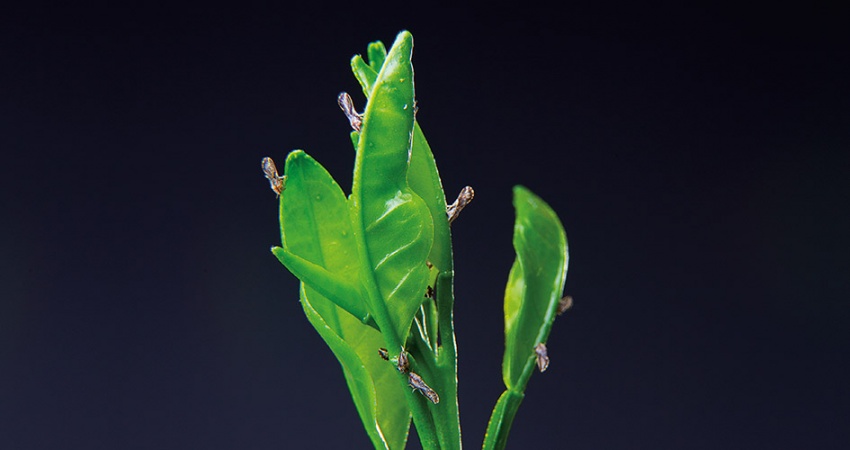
[(347, 106), (270, 171), (564, 304), (542, 357), (403, 363), (416, 382), (466, 195)]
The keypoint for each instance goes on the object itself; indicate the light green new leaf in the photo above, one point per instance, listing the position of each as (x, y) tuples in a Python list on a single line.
[(366, 73), (317, 239), (534, 288), (435, 315), (535, 284), (377, 55), (391, 223), (423, 176), (318, 244), (378, 396), (425, 181)]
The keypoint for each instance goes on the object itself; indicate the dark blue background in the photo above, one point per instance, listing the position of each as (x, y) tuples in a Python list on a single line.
[(698, 158)]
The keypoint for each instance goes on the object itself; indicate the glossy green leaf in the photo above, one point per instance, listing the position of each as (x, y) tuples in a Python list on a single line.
[(535, 284), (377, 55), (363, 261), (317, 242), (391, 223), (434, 322), (319, 248), (423, 176), (379, 398), (424, 180), (365, 73)]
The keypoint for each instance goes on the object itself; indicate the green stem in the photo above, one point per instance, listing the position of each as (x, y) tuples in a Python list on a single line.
[(425, 427), (440, 372), (447, 355)]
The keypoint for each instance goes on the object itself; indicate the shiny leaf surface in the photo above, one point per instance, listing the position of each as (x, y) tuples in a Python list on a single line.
[(434, 319), (318, 246), (423, 176), (391, 223), (379, 398), (534, 288), (535, 284)]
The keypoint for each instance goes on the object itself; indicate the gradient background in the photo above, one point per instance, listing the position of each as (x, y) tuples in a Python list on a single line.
[(698, 158)]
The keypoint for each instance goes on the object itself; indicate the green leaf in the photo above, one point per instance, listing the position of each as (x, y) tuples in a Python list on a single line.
[(332, 285), (535, 284), (379, 398), (534, 288), (318, 243), (393, 229), (319, 248), (391, 223), (424, 178), (377, 55), (434, 317)]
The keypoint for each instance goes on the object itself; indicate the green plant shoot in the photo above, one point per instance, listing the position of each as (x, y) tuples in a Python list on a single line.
[(376, 267)]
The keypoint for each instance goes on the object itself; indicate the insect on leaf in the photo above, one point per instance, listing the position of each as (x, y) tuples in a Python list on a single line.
[(535, 285), (378, 396), (318, 244), (423, 176), (319, 248), (392, 223)]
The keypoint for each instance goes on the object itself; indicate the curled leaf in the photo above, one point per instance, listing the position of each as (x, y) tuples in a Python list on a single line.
[(535, 285)]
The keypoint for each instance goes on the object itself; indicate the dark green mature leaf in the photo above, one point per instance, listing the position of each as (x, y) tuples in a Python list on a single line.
[(535, 284), (392, 224)]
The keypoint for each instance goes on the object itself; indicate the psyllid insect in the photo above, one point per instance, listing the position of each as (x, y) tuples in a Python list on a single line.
[(370, 260), (542, 357), (347, 106), (402, 364), (466, 195), (416, 382), (277, 182), (564, 304)]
